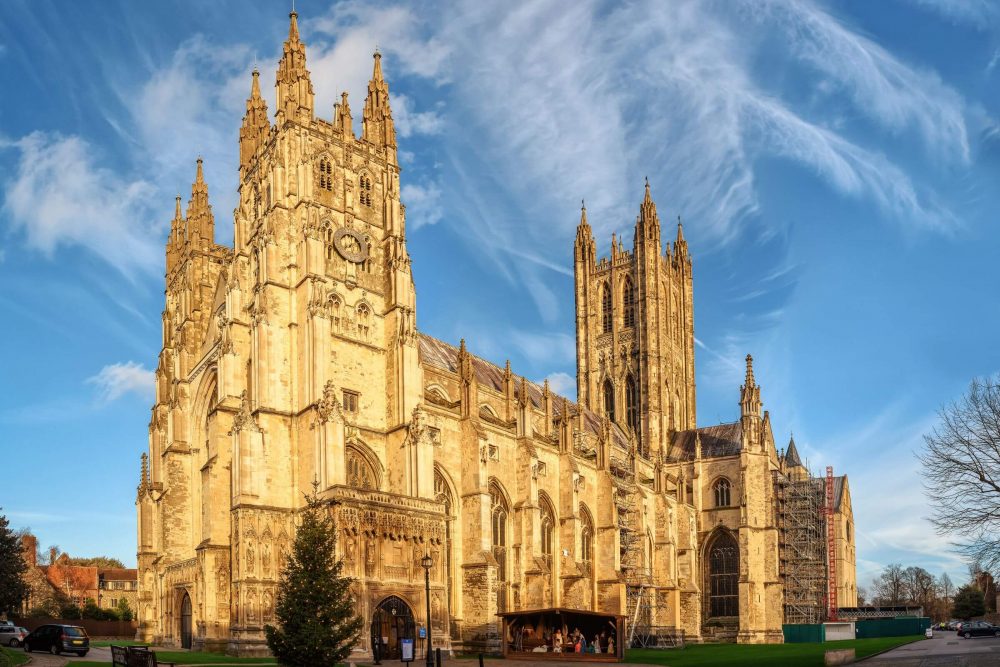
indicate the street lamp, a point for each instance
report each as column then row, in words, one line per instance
column 428, row 562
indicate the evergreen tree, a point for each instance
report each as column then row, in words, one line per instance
column 315, row 608
column 969, row 602
column 13, row 588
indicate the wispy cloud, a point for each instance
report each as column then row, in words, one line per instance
column 116, row 380
column 423, row 204
column 979, row 13
column 562, row 384
column 59, row 195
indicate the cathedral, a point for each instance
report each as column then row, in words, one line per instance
column 292, row 361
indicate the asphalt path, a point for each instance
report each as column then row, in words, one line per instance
column 946, row 649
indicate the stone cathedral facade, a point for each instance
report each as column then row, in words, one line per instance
column 293, row 359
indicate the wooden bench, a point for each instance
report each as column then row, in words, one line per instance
column 136, row 656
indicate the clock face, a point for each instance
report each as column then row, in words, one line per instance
column 351, row 245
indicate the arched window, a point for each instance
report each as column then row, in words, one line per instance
column 336, row 312
column 586, row 536
column 365, row 190
column 329, row 241
column 723, row 577
column 721, row 489
column 548, row 526
column 500, row 511
column 360, row 473
column 609, row 400
column 606, row 312
column 632, row 405
column 628, row 303
column 364, row 320
column 325, row 173
column 442, row 492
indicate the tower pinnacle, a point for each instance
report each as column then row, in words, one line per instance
column 200, row 222
column 293, row 86
column 256, row 125
column 377, row 126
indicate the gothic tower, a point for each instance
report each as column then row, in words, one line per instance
column 635, row 330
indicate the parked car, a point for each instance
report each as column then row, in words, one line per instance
column 12, row 635
column 978, row 629
column 951, row 625
column 57, row 639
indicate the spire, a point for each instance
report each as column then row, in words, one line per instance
column 377, row 126
column 792, row 454
column 342, row 120
column 256, row 126
column 648, row 222
column 294, row 89
column 584, row 247
column 750, row 393
column 200, row 222
column 175, row 240
column 680, row 244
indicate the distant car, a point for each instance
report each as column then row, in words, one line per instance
column 978, row 629
column 951, row 625
column 12, row 635
column 57, row 639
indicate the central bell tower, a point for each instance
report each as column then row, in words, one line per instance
column 635, row 330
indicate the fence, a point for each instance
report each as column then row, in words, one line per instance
column 122, row 629
column 891, row 627
column 804, row 633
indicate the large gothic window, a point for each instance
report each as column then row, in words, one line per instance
column 548, row 526
column 723, row 577
column 609, row 400
column 442, row 492
column 722, row 489
column 632, row 405
column 606, row 312
column 628, row 303
column 500, row 512
column 360, row 473
column 586, row 536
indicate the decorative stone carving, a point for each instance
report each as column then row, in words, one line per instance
column 329, row 408
column 244, row 419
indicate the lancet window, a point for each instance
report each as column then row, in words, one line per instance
column 606, row 312
column 722, row 491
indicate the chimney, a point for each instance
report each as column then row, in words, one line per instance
column 29, row 549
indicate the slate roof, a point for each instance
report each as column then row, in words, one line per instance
column 716, row 441
column 792, row 454
column 441, row 355
column 838, row 489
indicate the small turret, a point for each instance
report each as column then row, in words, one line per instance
column 293, row 86
column 177, row 238
column 377, row 126
column 342, row 120
column 648, row 222
column 681, row 253
column 585, row 249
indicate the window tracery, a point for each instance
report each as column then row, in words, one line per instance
column 360, row 473
column 722, row 492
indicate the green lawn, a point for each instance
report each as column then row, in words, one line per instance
column 11, row 657
column 772, row 655
column 117, row 642
column 189, row 658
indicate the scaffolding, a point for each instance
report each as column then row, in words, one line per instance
column 640, row 595
column 803, row 558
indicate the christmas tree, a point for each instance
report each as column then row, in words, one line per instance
column 315, row 607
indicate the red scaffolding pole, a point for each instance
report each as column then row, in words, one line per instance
column 831, row 551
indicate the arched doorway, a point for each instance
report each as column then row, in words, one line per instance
column 186, row 621
column 723, row 572
column 392, row 621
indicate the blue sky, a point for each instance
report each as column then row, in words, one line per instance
column 834, row 163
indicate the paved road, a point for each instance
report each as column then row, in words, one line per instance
column 46, row 660
column 946, row 650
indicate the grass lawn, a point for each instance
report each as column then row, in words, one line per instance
column 117, row 642
column 10, row 657
column 188, row 658
column 772, row 655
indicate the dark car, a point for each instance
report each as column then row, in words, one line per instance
column 978, row 629
column 58, row 639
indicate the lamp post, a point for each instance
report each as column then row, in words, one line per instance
column 428, row 562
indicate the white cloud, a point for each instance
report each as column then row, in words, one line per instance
column 980, row 13
column 562, row 384
column 58, row 196
column 116, row 380
column 409, row 122
column 423, row 204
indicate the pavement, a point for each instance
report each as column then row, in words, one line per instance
column 946, row 649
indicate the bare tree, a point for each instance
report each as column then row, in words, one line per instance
column 946, row 587
column 921, row 588
column 862, row 596
column 961, row 467
column 890, row 586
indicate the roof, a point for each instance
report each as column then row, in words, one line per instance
column 441, row 355
column 792, row 454
column 838, row 489
column 716, row 441
column 118, row 574
column 559, row 610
